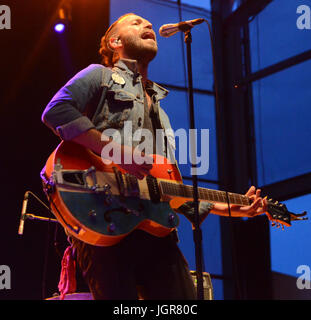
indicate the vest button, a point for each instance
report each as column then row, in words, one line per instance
column 139, row 121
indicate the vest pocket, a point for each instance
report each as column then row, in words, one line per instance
column 120, row 105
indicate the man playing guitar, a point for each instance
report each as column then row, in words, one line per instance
column 140, row 263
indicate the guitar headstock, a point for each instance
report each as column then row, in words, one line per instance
column 279, row 215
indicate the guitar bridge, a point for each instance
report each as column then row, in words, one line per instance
column 80, row 180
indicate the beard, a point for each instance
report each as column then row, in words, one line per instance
column 140, row 49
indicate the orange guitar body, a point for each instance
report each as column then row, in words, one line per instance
column 100, row 216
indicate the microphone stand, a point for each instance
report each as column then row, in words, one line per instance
column 32, row 216
column 197, row 233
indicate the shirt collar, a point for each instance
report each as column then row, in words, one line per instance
column 157, row 89
column 127, row 65
column 131, row 67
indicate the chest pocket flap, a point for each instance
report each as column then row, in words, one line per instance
column 120, row 106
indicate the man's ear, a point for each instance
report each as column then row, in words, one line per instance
column 115, row 43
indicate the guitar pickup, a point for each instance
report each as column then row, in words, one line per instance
column 120, row 183
column 132, row 185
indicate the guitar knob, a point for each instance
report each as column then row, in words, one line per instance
column 111, row 227
column 126, row 210
column 171, row 217
column 92, row 214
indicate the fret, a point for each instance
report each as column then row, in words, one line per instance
column 214, row 196
column 231, row 197
column 217, row 196
column 221, row 196
column 185, row 191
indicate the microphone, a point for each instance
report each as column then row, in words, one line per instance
column 23, row 214
column 168, row 30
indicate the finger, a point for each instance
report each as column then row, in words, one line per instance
column 255, row 205
column 250, row 191
column 139, row 176
column 135, row 171
column 265, row 204
column 148, row 163
column 262, row 207
column 147, row 166
column 144, row 171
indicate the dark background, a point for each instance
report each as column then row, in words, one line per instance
column 35, row 62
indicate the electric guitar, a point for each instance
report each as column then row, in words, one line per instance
column 100, row 204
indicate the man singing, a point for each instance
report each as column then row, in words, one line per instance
column 141, row 264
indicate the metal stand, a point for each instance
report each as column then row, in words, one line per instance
column 34, row 217
column 31, row 216
column 197, row 233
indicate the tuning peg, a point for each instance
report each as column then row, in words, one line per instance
column 276, row 202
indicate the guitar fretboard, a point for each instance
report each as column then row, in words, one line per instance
column 184, row 191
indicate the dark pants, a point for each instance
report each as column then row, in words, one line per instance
column 141, row 265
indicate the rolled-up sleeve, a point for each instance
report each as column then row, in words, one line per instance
column 64, row 113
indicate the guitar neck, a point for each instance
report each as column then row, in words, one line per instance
column 185, row 191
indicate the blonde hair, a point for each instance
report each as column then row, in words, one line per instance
column 109, row 56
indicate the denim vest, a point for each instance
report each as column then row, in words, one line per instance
column 94, row 98
column 118, row 95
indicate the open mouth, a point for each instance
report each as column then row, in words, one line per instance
column 148, row 35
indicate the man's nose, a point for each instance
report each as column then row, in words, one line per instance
column 148, row 25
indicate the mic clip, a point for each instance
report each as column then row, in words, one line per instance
column 185, row 26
